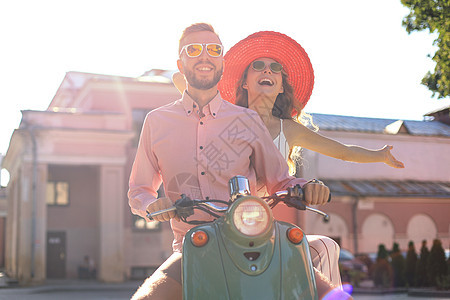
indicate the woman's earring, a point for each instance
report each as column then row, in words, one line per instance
column 245, row 86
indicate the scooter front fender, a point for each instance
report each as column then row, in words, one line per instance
column 210, row 273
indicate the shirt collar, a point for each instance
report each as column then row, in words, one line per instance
column 188, row 103
column 212, row 107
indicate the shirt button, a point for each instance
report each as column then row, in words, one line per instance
column 203, row 173
column 195, row 106
column 201, row 147
column 201, row 123
column 189, row 111
column 214, row 114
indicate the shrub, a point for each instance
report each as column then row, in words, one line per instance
column 437, row 266
column 410, row 265
column 398, row 266
column 421, row 267
column 443, row 282
column 382, row 270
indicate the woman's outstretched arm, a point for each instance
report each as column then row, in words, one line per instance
column 299, row 135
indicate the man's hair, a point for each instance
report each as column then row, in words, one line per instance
column 197, row 27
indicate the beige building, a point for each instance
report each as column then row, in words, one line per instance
column 2, row 226
column 69, row 168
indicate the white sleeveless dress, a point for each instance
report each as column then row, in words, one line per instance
column 281, row 143
column 324, row 250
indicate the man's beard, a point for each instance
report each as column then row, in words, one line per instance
column 203, row 84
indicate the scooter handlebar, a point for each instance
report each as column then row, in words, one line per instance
column 184, row 207
column 298, row 197
column 152, row 215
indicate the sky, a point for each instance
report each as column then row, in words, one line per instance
column 365, row 63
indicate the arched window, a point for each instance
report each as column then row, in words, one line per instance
column 421, row 227
column 336, row 228
column 376, row 229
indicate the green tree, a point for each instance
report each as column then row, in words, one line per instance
column 411, row 262
column 448, row 265
column 421, row 267
column 398, row 266
column 435, row 16
column 381, row 269
column 437, row 266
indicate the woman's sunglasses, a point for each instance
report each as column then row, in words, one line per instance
column 194, row 50
column 259, row 66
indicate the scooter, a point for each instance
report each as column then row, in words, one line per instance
column 244, row 253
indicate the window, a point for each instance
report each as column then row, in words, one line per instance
column 140, row 224
column 141, row 272
column 57, row 193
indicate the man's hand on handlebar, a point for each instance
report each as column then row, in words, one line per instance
column 160, row 204
column 316, row 193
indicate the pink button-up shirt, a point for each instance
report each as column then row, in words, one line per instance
column 196, row 156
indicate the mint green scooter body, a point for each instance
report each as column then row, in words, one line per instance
column 234, row 266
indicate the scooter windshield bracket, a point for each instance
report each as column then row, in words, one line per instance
column 239, row 187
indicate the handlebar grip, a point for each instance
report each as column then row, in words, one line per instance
column 159, row 212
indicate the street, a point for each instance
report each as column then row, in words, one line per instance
column 100, row 291
column 66, row 295
column 71, row 290
column 392, row 297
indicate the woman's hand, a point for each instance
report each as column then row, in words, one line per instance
column 389, row 159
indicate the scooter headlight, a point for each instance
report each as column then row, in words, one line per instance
column 251, row 218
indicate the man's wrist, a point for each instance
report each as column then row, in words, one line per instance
column 314, row 180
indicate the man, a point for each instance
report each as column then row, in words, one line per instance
column 195, row 145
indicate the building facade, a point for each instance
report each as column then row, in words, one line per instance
column 374, row 203
column 69, row 168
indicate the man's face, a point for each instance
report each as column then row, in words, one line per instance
column 202, row 72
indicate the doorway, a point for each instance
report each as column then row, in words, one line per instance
column 56, row 254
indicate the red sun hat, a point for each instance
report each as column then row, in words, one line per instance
column 274, row 45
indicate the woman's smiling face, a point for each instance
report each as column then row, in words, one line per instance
column 263, row 84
